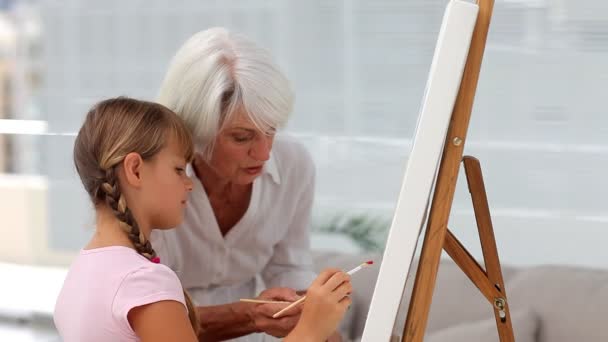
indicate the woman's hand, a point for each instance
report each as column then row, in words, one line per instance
column 326, row 303
column 261, row 314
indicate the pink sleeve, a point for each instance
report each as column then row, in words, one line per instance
column 148, row 284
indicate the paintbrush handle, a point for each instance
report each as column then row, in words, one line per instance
column 261, row 301
column 278, row 314
column 354, row 270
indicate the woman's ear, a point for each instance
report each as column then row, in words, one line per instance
column 132, row 165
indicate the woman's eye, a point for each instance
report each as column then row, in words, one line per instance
column 240, row 138
column 179, row 170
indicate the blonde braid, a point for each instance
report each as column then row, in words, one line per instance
column 116, row 201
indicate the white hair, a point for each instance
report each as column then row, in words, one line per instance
column 217, row 72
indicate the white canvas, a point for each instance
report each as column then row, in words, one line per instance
column 439, row 97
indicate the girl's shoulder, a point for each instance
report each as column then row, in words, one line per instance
column 103, row 285
column 125, row 268
column 145, row 284
column 138, row 281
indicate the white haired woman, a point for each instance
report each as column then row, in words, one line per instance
column 249, row 210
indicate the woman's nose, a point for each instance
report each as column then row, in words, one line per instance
column 260, row 150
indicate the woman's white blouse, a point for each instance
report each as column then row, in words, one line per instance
column 270, row 240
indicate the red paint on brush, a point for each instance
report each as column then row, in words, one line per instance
column 371, row 262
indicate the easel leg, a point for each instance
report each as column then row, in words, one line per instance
column 477, row 189
column 489, row 282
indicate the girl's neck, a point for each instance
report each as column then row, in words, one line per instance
column 108, row 231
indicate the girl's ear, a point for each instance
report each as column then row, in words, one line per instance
column 132, row 165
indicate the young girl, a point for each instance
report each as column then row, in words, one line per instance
column 131, row 157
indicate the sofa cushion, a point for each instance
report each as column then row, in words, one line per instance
column 524, row 322
column 572, row 302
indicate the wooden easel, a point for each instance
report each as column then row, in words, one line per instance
column 438, row 236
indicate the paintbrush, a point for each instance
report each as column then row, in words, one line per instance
column 351, row 272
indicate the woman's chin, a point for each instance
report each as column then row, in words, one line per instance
column 246, row 179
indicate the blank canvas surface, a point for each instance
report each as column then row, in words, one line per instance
column 438, row 101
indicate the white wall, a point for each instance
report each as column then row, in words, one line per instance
column 359, row 69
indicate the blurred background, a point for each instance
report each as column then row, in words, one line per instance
column 359, row 68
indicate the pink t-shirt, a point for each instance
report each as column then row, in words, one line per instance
column 102, row 285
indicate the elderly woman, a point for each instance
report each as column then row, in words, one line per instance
column 248, row 215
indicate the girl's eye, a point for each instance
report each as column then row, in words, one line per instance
column 180, row 170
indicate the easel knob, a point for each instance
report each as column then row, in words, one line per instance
column 500, row 304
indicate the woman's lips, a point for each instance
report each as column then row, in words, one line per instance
column 254, row 170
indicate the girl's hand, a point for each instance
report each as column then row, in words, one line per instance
column 327, row 300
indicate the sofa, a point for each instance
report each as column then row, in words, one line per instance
column 547, row 303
